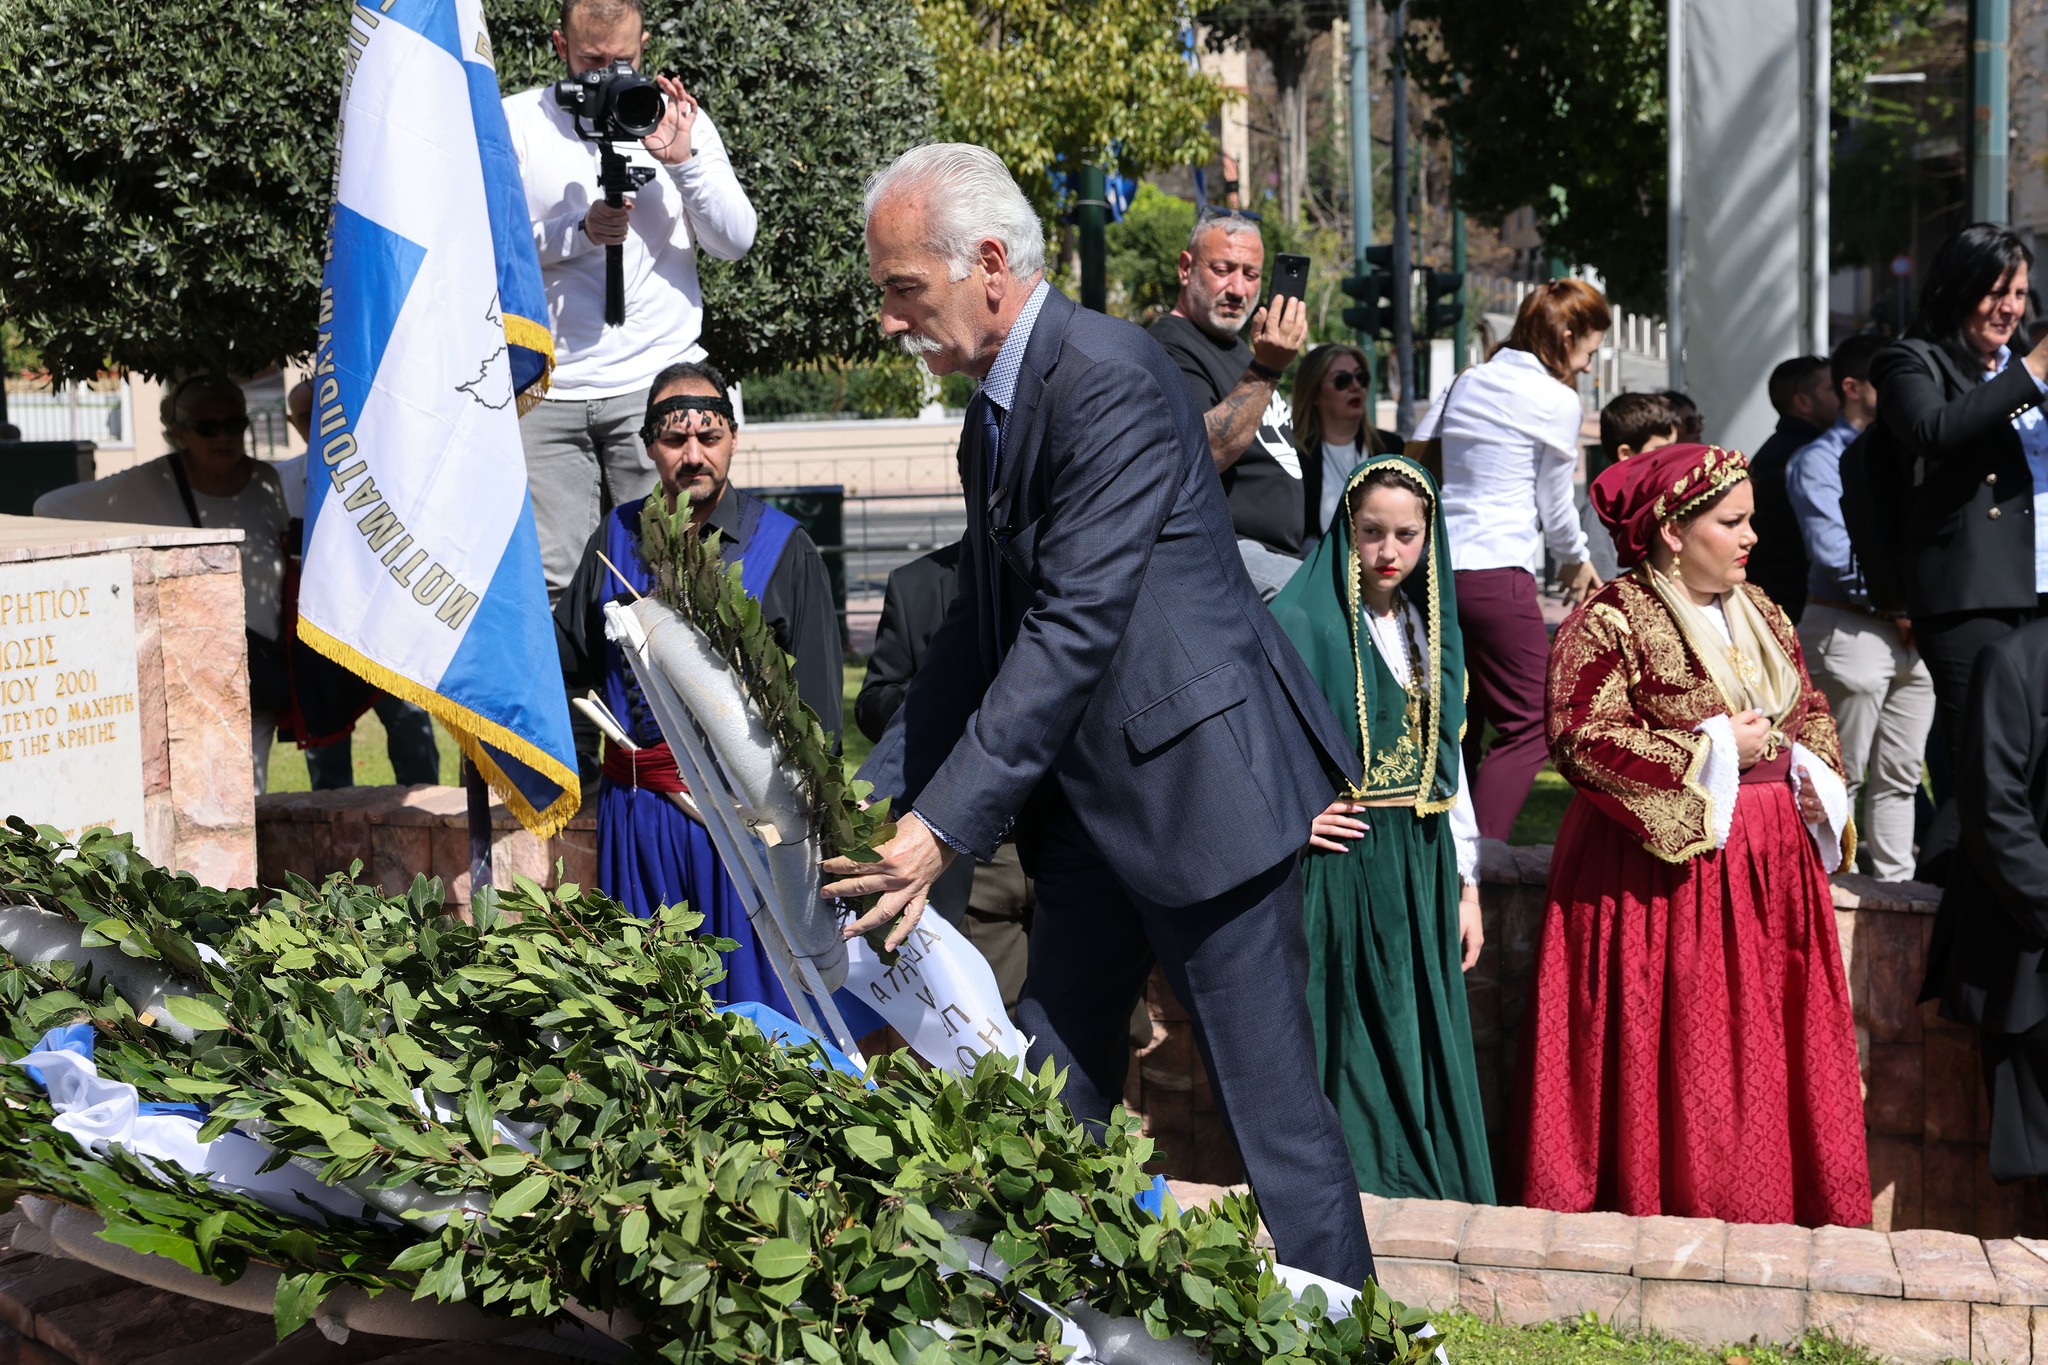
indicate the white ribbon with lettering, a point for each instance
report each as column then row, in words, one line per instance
column 940, row 995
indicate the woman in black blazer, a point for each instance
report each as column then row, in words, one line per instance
column 1957, row 414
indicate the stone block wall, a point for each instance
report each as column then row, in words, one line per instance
column 396, row 832
column 192, row 684
column 1924, row 1104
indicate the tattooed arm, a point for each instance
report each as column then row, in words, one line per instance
column 1233, row 422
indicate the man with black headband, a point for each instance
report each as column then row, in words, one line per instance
column 649, row 853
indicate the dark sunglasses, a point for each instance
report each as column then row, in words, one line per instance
column 1347, row 379
column 211, row 427
column 1217, row 211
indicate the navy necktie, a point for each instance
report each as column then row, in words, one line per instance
column 981, row 418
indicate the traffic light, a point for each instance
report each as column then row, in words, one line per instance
column 1444, row 291
column 1373, row 316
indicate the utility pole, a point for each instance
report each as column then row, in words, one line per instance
column 1990, row 29
column 1819, row 153
column 1674, row 192
column 1092, row 213
column 1461, row 335
column 1361, row 169
column 1404, row 252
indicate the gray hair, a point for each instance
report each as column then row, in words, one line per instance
column 1229, row 224
column 968, row 198
column 178, row 401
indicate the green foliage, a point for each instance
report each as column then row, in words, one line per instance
column 164, row 187
column 1046, row 82
column 1587, row 1340
column 165, row 180
column 738, row 1202
column 1144, row 252
column 892, row 386
column 690, row 577
column 1569, row 117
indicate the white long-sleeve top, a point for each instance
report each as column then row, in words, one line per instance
column 1511, row 447
column 697, row 206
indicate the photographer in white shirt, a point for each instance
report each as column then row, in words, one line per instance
column 583, row 451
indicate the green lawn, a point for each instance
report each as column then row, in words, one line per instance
column 1536, row 825
column 1588, row 1342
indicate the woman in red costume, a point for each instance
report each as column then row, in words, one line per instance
column 1688, row 1047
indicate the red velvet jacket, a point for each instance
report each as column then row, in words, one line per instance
column 1625, row 694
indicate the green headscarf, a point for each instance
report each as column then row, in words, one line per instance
column 1322, row 611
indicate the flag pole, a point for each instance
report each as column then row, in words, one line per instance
column 479, row 793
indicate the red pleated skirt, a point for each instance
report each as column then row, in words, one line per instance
column 1688, row 1046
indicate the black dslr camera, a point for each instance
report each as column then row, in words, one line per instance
column 614, row 104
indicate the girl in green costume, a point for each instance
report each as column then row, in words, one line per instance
column 1392, row 899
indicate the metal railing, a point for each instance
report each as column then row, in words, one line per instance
column 882, row 532
column 101, row 411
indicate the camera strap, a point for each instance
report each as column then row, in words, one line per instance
column 184, row 487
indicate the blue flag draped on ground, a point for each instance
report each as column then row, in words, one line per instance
column 422, row 569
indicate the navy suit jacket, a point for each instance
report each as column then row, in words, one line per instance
column 1138, row 669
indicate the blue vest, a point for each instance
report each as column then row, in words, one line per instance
column 756, row 547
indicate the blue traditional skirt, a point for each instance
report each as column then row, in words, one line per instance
column 650, row 854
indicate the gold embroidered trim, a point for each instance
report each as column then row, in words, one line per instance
column 1721, row 469
column 1434, row 681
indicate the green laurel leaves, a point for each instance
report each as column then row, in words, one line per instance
column 547, row 1105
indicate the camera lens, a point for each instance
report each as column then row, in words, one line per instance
column 637, row 109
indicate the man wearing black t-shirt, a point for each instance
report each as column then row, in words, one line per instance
column 1251, row 432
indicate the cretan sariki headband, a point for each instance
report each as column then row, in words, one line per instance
column 1636, row 496
column 670, row 413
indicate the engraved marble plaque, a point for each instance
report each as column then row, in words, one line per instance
column 70, row 735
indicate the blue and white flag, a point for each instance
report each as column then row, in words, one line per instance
column 422, row 569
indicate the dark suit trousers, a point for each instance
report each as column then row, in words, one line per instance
column 1949, row 643
column 2016, row 1075
column 1239, row 964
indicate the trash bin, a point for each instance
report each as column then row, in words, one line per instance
column 821, row 510
column 29, row 469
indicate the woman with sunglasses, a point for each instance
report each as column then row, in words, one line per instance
column 1330, row 422
column 208, row 479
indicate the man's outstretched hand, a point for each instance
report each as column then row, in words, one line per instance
column 910, row 863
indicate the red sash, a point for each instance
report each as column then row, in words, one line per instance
column 1763, row 771
column 650, row 769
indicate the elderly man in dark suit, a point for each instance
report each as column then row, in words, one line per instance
column 1988, row 964
column 1108, row 681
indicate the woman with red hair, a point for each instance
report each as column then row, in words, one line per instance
column 1510, row 433
column 1688, row 1047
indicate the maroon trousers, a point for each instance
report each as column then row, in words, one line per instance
column 1507, row 657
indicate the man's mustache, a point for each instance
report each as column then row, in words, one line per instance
column 917, row 347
